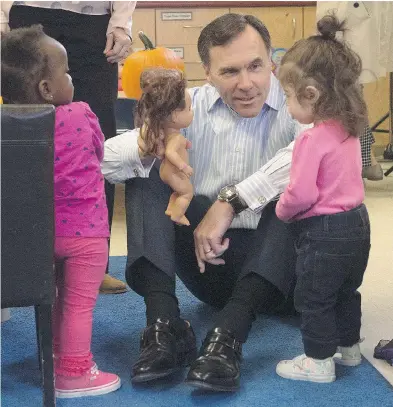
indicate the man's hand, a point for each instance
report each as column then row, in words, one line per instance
column 208, row 236
column 118, row 45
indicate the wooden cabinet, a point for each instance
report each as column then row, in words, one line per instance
column 180, row 29
column 285, row 24
column 143, row 20
column 183, row 26
column 192, row 62
column 309, row 21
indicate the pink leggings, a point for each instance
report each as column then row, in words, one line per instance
column 80, row 269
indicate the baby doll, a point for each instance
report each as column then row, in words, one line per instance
column 163, row 110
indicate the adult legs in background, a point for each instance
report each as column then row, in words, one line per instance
column 372, row 170
column 82, row 264
column 95, row 80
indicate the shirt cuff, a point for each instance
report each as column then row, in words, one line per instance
column 121, row 16
column 133, row 164
column 257, row 191
column 121, row 159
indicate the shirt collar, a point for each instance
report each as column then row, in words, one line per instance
column 274, row 99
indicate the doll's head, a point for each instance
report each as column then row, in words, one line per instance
column 164, row 104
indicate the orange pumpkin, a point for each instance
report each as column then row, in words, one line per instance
column 150, row 57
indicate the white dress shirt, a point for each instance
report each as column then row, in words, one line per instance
column 253, row 153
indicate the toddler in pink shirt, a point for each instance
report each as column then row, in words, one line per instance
column 37, row 67
column 324, row 198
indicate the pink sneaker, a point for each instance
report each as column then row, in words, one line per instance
column 92, row 383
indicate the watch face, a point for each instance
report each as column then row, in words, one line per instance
column 228, row 192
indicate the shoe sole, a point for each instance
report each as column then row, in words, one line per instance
column 211, row 387
column 96, row 391
column 348, row 362
column 322, row 379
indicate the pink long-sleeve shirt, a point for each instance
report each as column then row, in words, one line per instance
column 325, row 175
column 80, row 203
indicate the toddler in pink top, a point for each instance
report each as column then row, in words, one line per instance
column 37, row 66
column 79, row 184
column 324, row 198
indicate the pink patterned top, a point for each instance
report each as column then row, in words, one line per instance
column 80, row 204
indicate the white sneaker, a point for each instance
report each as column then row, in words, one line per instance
column 349, row 356
column 307, row 369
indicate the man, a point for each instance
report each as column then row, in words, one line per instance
column 96, row 35
column 236, row 255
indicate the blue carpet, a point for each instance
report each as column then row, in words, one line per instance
column 117, row 324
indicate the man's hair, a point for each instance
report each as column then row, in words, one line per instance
column 23, row 64
column 334, row 69
column 225, row 29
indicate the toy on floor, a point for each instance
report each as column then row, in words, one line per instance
column 384, row 350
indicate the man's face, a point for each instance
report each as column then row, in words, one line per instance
column 240, row 71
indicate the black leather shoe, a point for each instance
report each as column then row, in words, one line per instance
column 218, row 365
column 163, row 351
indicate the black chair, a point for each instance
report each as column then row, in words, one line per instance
column 27, row 222
column 125, row 109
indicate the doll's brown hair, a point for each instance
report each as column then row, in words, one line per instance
column 163, row 93
column 328, row 64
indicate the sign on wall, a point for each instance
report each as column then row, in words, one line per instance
column 175, row 15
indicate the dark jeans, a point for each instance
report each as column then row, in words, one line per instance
column 332, row 253
column 94, row 79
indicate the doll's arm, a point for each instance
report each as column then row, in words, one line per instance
column 171, row 154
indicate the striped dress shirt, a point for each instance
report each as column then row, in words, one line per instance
column 252, row 153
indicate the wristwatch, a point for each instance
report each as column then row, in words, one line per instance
column 231, row 195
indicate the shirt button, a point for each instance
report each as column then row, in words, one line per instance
column 237, row 149
column 261, row 199
column 136, row 172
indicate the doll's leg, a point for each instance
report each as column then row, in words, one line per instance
column 177, row 207
column 182, row 203
column 171, row 203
